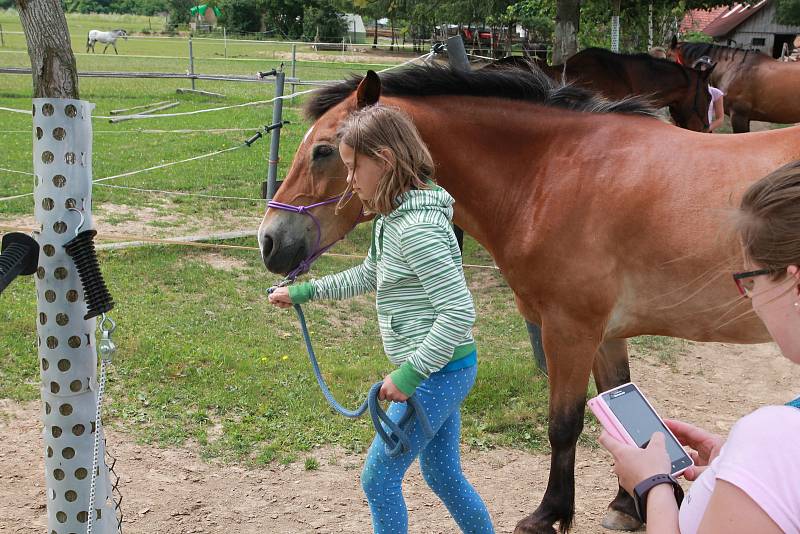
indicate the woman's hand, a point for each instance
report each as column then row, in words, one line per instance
column 280, row 297
column 705, row 444
column 632, row 464
column 390, row 392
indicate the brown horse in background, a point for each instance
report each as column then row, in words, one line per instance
column 756, row 87
column 599, row 228
column 664, row 83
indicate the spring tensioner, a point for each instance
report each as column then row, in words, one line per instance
column 81, row 249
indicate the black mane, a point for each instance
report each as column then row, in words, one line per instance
column 692, row 51
column 530, row 85
column 612, row 60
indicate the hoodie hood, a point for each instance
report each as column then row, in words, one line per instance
column 435, row 199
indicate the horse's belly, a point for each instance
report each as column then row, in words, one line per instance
column 701, row 317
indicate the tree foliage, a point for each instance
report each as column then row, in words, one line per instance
column 240, row 15
column 788, row 12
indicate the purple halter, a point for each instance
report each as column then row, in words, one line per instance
column 305, row 264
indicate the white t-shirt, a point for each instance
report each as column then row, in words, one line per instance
column 716, row 94
column 762, row 458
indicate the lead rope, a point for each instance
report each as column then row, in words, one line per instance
column 397, row 440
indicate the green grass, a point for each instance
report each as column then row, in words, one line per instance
column 202, row 357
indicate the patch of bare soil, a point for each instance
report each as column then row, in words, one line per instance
column 172, row 491
column 154, row 222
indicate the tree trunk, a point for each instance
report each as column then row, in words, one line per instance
column 568, row 19
column 375, row 38
column 55, row 74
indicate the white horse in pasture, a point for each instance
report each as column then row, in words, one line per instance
column 108, row 38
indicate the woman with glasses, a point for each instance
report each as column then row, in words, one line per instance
column 749, row 483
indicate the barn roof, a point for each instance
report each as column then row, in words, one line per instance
column 698, row 19
column 733, row 17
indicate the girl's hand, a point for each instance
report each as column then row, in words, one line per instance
column 390, row 392
column 280, row 297
column 705, row 444
column 632, row 464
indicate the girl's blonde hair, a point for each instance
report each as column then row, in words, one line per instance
column 769, row 220
column 372, row 131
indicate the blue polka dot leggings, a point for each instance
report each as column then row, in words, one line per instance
column 439, row 459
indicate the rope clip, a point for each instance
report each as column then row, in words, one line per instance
column 106, row 346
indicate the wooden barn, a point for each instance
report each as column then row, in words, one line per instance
column 753, row 26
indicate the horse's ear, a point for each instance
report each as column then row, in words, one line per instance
column 369, row 90
column 707, row 72
column 673, row 44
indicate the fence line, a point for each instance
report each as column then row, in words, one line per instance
column 17, row 172
column 193, row 241
column 328, row 64
column 149, row 131
column 13, row 110
column 131, row 173
column 180, row 193
column 171, row 75
column 170, row 164
column 181, row 114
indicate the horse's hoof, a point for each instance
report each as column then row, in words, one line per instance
column 530, row 525
column 616, row 520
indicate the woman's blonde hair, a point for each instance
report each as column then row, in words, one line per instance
column 768, row 221
column 372, row 131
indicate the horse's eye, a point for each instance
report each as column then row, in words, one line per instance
column 322, row 151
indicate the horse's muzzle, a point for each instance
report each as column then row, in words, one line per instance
column 281, row 258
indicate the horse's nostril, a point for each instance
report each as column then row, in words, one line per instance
column 266, row 247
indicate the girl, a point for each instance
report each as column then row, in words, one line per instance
column 425, row 311
column 751, row 482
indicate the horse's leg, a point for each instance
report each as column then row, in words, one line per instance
column 610, row 370
column 115, row 48
column 569, row 349
column 459, row 237
column 740, row 121
column 106, row 48
column 535, row 335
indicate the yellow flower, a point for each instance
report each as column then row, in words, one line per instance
column 284, row 358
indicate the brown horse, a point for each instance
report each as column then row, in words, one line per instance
column 756, row 86
column 683, row 90
column 599, row 228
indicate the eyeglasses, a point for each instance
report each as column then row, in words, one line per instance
column 744, row 280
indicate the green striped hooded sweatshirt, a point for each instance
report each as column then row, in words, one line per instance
column 425, row 311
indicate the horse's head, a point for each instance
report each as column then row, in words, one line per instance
column 122, row 33
column 296, row 226
column 674, row 51
column 690, row 109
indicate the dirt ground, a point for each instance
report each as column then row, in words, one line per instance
column 172, row 491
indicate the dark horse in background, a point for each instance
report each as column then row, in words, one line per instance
column 756, row 86
column 605, row 222
column 664, row 83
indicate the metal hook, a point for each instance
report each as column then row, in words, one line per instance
column 83, row 219
column 104, row 319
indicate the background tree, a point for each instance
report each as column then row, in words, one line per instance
column 788, row 12
column 240, row 15
column 322, row 22
column 55, row 74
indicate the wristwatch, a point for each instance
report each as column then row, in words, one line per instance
column 643, row 488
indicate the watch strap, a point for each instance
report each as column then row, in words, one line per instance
column 643, row 488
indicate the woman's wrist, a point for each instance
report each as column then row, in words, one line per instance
column 662, row 510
